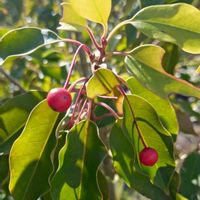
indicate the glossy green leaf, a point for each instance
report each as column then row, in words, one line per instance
column 101, row 83
column 177, row 23
column 163, row 178
column 13, row 115
column 123, row 156
column 70, row 16
column 23, row 41
column 151, row 130
column 142, row 65
column 190, row 174
column 30, row 156
column 95, row 10
column 79, row 159
column 170, row 58
column 164, row 109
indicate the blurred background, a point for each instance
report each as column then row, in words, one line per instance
column 48, row 67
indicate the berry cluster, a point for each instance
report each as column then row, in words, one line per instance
column 60, row 100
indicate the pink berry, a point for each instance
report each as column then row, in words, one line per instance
column 59, row 99
column 148, row 156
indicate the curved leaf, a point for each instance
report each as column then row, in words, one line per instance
column 164, row 109
column 79, row 159
column 30, row 162
column 177, row 23
column 70, row 16
column 101, row 83
column 123, row 156
column 13, row 115
column 151, row 131
column 95, row 10
column 150, row 75
column 23, row 41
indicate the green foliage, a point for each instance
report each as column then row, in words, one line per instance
column 122, row 101
column 78, row 164
column 166, row 23
column 30, row 163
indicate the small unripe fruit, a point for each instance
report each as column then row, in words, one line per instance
column 148, row 156
column 59, row 99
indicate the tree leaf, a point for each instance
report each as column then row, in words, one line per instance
column 190, row 173
column 123, row 156
column 171, row 57
column 30, row 162
column 101, row 83
column 164, row 109
column 177, row 23
column 70, row 16
column 151, row 131
column 13, row 115
column 141, row 65
column 79, row 159
column 95, row 10
column 23, row 41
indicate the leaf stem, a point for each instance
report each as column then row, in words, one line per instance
column 109, row 109
column 85, row 47
column 89, row 109
column 81, row 111
column 72, row 66
column 12, row 80
column 72, row 87
column 93, row 39
column 134, row 117
column 76, row 103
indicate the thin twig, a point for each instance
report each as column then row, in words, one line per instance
column 109, row 109
column 12, row 80
column 134, row 117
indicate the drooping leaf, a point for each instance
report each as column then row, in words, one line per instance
column 101, row 83
column 13, row 115
column 190, row 173
column 70, row 16
column 150, row 129
column 123, row 156
column 177, row 23
column 30, row 156
column 142, row 65
column 79, row 159
column 23, row 41
column 96, row 10
column 162, row 106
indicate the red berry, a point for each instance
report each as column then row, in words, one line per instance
column 148, row 156
column 59, row 99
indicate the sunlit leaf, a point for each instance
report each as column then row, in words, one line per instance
column 101, row 83
column 123, row 156
column 150, row 129
column 30, row 157
column 95, row 10
column 162, row 106
column 70, row 16
column 177, row 23
column 79, row 159
column 142, row 65
column 13, row 115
